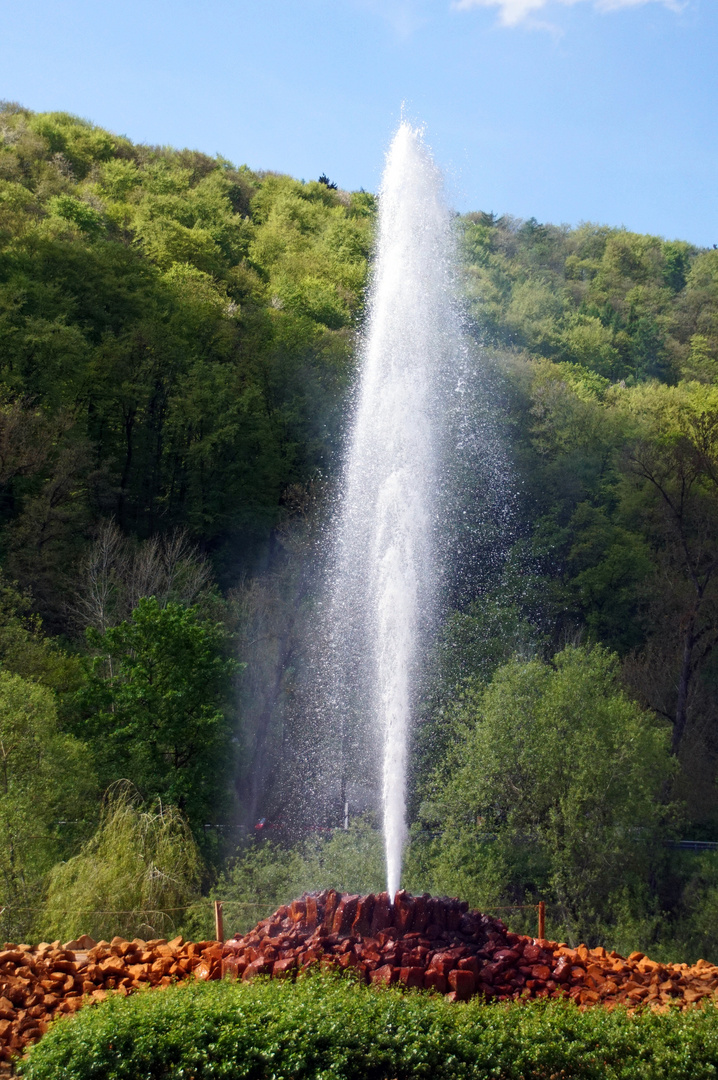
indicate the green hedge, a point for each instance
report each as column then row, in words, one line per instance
column 327, row 1027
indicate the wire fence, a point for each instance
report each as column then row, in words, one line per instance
column 539, row 915
column 204, row 919
column 195, row 921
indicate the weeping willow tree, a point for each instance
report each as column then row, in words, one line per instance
column 136, row 876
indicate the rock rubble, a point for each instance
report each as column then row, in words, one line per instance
column 40, row 983
column 420, row 942
column 437, row 944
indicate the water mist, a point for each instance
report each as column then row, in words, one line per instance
column 386, row 563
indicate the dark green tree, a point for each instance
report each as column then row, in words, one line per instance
column 552, row 790
column 155, row 708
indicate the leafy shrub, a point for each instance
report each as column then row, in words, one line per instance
column 266, row 874
column 80, row 213
column 555, row 785
column 45, row 775
column 324, row 1027
column 140, row 870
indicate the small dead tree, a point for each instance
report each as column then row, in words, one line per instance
column 117, row 572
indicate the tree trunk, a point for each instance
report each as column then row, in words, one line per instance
column 684, row 681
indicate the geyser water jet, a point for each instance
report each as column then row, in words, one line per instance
column 385, row 573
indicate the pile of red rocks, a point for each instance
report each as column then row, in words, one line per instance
column 438, row 944
column 38, row 984
column 420, row 942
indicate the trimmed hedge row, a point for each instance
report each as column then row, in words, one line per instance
column 332, row 1028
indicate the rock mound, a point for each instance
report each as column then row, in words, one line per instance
column 437, row 944
column 420, row 942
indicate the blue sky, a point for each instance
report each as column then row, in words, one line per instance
column 566, row 110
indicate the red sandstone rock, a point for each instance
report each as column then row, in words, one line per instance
column 298, row 910
column 472, row 964
column 330, row 906
column 38, row 984
column 419, row 942
column 562, row 972
column 345, row 914
column 382, row 914
column 233, row 967
column 435, row 980
column 362, row 922
column 412, row 977
column 403, row 911
column 385, row 975
column 311, row 916
column 463, row 983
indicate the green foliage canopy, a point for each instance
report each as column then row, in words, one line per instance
column 46, row 782
column 155, row 707
column 189, row 321
column 556, row 784
column 626, row 306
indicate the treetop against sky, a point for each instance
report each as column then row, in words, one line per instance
column 566, row 110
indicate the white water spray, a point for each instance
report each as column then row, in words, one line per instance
column 385, row 577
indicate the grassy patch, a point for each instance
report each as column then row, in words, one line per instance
column 329, row 1027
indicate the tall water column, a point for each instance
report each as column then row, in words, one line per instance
column 386, row 565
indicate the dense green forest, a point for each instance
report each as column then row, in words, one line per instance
column 177, row 340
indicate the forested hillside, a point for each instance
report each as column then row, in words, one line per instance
column 176, row 347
